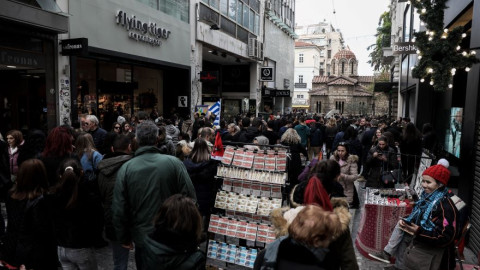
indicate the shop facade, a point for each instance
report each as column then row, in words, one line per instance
column 454, row 113
column 28, row 55
column 125, row 57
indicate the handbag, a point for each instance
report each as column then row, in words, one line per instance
column 419, row 256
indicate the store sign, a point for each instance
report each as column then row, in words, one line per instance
column 142, row 31
column 282, row 93
column 182, row 101
column 209, row 76
column 266, row 74
column 404, row 48
column 74, row 46
column 23, row 59
column 300, row 85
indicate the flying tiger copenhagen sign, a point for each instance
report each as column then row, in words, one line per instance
column 142, row 31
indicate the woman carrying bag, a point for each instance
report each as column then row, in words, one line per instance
column 424, row 240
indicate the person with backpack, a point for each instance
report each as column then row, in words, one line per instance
column 88, row 155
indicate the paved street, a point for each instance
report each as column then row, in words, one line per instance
column 104, row 255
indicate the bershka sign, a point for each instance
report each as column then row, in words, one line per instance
column 142, row 31
column 404, row 48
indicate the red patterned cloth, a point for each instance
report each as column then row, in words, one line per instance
column 376, row 226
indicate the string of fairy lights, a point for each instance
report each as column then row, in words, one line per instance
column 439, row 52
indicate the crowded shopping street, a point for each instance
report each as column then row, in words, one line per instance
column 240, row 134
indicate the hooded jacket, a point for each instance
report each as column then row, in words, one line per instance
column 304, row 132
column 107, row 174
column 341, row 254
column 173, row 132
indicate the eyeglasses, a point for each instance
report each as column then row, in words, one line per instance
column 116, row 127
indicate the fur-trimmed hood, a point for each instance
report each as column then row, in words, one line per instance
column 350, row 159
column 282, row 217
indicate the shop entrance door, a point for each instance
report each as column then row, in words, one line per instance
column 114, row 99
column 23, row 104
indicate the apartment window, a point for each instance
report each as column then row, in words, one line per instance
column 224, row 7
column 300, row 78
column 232, row 9
column 176, row 8
column 245, row 16
column 300, row 58
column 299, row 96
column 407, row 24
column 329, row 54
column 239, row 13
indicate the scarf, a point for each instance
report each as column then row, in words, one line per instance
column 423, row 208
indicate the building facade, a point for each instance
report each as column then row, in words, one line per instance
column 135, row 57
column 454, row 113
column 28, row 71
column 233, row 41
column 307, row 66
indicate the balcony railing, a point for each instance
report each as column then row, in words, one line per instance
column 300, row 85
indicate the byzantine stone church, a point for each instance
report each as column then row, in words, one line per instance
column 343, row 90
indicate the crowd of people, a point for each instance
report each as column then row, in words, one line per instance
column 149, row 184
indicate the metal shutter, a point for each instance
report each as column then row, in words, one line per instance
column 474, row 242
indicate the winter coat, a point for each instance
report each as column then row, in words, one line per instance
column 285, row 253
column 203, row 179
column 377, row 166
column 52, row 164
column 107, row 175
column 173, row 132
column 187, row 127
column 349, row 173
column 13, row 159
column 444, row 216
column 99, row 135
column 90, row 165
column 30, row 238
column 304, row 132
column 316, row 137
column 5, row 181
column 341, row 254
column 143, row 184
column 295, row 163
column 167, row 147
column 272, row 137
column 330, row 133
column 78, row 226
column 167, row 249
column 247, row 135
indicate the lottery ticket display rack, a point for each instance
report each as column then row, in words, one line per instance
column 253, row 182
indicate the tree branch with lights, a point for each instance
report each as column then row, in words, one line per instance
column 439, row 51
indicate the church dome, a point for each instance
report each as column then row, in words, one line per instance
column 347, row 54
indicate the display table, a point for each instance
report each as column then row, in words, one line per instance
column 379, row 217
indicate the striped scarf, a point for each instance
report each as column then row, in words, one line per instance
column 422, row 210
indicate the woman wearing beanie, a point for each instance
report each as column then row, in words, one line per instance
column 425, row 238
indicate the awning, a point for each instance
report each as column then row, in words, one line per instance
column 48, row 16
column 301, row 106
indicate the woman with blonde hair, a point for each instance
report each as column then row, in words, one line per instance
column 291, row 139
column 88, row 155
column 305, row 246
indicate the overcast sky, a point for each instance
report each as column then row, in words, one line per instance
column 356, row 19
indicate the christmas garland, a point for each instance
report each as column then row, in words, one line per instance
column 439, row 51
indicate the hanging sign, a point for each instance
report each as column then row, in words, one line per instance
column 266, row 74
column 404, row 48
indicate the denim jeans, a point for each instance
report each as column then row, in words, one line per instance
column 77, row 258
column 120, row 256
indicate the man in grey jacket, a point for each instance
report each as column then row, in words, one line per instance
column 143, row 184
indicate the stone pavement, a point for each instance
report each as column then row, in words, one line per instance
column 104, row 255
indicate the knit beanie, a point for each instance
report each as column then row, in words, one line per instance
column 439, row 173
